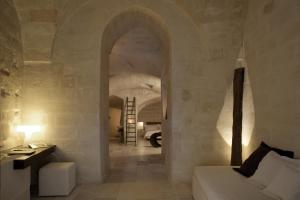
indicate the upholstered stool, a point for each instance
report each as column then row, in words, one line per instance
column 57, row 179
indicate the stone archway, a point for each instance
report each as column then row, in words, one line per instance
column 202, row 58
column 118, row 26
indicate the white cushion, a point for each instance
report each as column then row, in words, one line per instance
column 294, row 163
column 57, row 179
column 153, row 127
column 285, row 185
column 271, row 164
column 223, row 183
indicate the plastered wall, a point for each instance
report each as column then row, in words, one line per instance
column 272, row 46
column 151, row 113
column 11, row 74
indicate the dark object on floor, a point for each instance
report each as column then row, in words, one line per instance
column 154, row 139
column 250, row 165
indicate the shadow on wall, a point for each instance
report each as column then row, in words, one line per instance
column 225, row 120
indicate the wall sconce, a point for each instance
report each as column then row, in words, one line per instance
column 28, row 130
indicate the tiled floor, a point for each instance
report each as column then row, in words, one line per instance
column 137, row 173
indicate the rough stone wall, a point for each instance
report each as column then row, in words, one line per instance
column 205, row 37
column 64, row 97
column 38, row 26
column 201, row 69
column 150, row 113
column 71, row 122
column 72, row 87
column 11, row 71
column 272, row 46
column 199, row 84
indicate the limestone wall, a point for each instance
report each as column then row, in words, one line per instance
column 66, row 74
column 67, row 102
column 272, row 45
column 38, row 27
column 11, row 71
column 151, row 113
column 201, row 46
column 202, row 59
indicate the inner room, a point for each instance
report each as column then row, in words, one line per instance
column 136, row 64
column 149, row 100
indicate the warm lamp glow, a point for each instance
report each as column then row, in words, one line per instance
column 224, row 123
column 29, row 129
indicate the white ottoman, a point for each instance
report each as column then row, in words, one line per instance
column 57, row 179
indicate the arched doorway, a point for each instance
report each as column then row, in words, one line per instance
column 118, row 26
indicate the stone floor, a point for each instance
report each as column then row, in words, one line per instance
column 137, row 173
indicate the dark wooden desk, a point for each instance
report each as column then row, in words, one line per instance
column 40, row 154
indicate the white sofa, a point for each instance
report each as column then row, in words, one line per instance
column 222, row 183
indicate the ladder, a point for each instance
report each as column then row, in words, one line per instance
column 130, row 122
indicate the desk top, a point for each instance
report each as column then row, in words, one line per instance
column 24, row 161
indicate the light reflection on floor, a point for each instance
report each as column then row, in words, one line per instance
column 137, row 173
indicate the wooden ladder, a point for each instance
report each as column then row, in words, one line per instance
column 130, row 121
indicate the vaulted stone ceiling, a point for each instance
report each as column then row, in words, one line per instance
column 136, row 63
column 137, row 51
column 40, row 20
